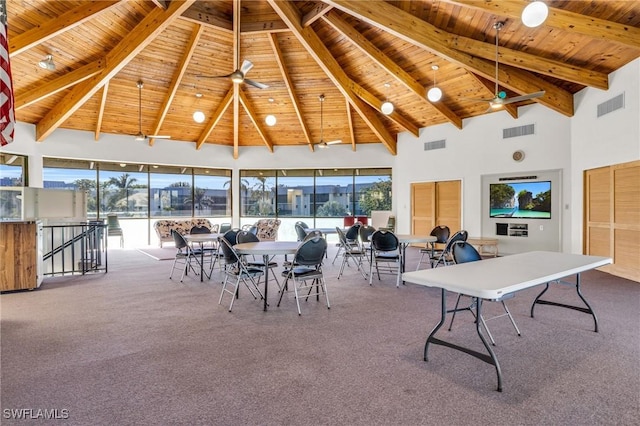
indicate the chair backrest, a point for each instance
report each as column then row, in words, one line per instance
column 301, row 223
column 178, row 239
column 391, row 223
column 230, row 255
column 441, row 232
column 313, row 234
column 352, row 232
column 112, row 221
column 224, row 227
column 300, row 232
column 200, row 230
column 365, row 232
column 458, row 236
column 464, row 252
column 311, row 252
column 246, row 237
column 383, row 240
column 342, row 238
column 231, row 236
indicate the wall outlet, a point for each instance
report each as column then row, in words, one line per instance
column 542, row 227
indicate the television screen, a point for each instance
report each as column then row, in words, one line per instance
column 524, row 200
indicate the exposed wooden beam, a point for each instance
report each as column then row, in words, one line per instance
column 37, row 93
column 215, row 118
column 103, row 102
column 319, row 52
column 65, row 22
column 385, row 62
column 290, row 88
column 529, row 62
column 134, row 42
column 160, row 3
column 200, row 15
column 564, row 20
column 352, row 134
column 249, row 110
column 424, row 35
column 176, row 80
column 318, row 11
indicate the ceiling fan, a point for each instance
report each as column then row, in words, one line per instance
column 141, row 136
column 500, row 98
column 322, row 143
column 239, row 75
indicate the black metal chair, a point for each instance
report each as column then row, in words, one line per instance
column 442, row 233
column 236, row 271
column 306, row 271
column 351, row 236
column 350, row 251
column 248, row 237
column 464, row 252
column 446, row 257
column 185, row 255
column 224, row 227
column 301, row 232
column 385, row 255
column 113, row 228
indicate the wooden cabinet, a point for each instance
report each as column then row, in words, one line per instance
column 20, row 255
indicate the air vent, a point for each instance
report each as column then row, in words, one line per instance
column 428, row 146
column 611, row 105
column 518, row 178
column 514, row 132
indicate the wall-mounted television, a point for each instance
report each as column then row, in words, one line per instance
column 522, row 200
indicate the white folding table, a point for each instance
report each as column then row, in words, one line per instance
column 493, row 278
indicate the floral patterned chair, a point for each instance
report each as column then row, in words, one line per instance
column 163, row 227
column 267, row 229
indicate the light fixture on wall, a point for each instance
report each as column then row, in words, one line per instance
column 535, row 14
column 47, row 63
column 198, row 115
column 435, row 93
column 387, row 106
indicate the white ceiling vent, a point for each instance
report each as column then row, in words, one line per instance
column 514, row 132
column 611, row 105
column 428, row 146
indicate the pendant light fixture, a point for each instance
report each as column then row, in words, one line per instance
column 198, row 115
column 387, row 106
column 435, row 93
column 535, row 14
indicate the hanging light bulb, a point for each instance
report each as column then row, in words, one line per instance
column 435, row 93
column 198, row 116
column 535, row 14
column 270, row 120
column 387, row 107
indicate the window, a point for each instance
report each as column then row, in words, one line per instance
column 73, row 175
column 334, row 195
column 257, row 196
column 123, row 190
column 13, row 170
column 373, row 191
column 211, row 193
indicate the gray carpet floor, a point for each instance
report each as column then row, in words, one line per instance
column 132, row 347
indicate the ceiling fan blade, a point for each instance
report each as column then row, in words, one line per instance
column 213, row 76
column 246, row 66
column 522, row 98
column 255, row 84
column 159, row 136
column 480, row 99
column 334, row 142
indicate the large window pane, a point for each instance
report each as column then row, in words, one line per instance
column 123, row 191
column 72, row 175
column 334, row 193
column 171, row 194
column 295, row 193
column 212, row 193
column 13, row 170
column 258, row 193
column 373, row 191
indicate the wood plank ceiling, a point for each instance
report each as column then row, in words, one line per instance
column 358, row 54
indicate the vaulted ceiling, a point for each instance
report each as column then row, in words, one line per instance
column 357, row 54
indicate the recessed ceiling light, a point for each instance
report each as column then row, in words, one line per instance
column 270, row 120
column 535, row 14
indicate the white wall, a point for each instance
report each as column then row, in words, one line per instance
column 570, row 145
